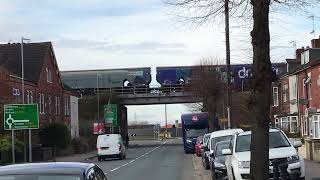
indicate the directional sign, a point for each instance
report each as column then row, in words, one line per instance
column 111, row 114
column 21, row 116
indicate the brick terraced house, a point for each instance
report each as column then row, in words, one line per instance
column 43, row 85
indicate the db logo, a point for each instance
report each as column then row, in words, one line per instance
column 244, row 73
column 195, row 118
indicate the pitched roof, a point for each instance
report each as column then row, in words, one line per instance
column 35, row 54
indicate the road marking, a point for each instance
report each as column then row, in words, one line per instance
column 125, row 164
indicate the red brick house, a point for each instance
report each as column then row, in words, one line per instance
column 300, row 113
column 43, row 84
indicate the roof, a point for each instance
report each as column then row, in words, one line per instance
column 226, row 132
column 249, row 132
column 35, row 54
column 302, row 67
column 48, row 168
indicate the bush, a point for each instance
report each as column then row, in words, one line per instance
column 5, row 144
column 79, row 145
column 55, row 135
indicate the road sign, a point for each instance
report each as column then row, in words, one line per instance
column 21, row 116
column 111, row 114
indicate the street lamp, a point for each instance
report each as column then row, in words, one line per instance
column 22, row 84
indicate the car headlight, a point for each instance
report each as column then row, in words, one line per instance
column 293, row 159
column 244, row 164
column 188, row 141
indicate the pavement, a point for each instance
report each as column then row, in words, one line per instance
column 158, row 160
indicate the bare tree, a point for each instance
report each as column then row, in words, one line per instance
column 207, row 84
column 201, row 11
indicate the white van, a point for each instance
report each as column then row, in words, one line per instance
column 110, row 146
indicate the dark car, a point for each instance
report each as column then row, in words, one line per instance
column 218, row 168
column 205, row 151
column 52, row 171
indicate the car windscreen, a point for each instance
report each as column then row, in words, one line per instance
column 199, row 139
column 221, row 146
column 205, row 139
column 40, row 177
column 276, row 140
column 192, row 133
column 215, row 140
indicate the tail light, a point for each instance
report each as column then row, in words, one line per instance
column 120, row 147
column 98, row 148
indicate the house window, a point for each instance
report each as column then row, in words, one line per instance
column 277, row 123
column 305, row 125
column 275, row 96
column 285, row 124
column 66, row 107
column 309, row 91
column 15, row 92
column 304, row 89
column 57, row 106
column 31, row 97
column 49, row 104
column 316, row 126
column 49, row 75
column 28, row 96
column 41, row 103
column 293, row 124
column 285, row 92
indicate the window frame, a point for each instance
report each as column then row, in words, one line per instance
column 314, row 126
column 275, row 90
column 287, row 121
column 291, row 122
column 49, row 75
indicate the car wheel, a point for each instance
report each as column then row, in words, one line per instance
column 121, row 156
column 233, row 177
column 207, row 164
column 99, row 159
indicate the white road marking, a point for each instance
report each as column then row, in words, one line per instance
column 150, row 151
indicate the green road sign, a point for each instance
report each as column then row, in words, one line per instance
column 21, row 116
column 111, row 114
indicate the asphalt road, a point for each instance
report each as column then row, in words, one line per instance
column 156, row 161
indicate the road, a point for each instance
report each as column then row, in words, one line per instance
column 156, row 161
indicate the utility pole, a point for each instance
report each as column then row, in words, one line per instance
column 166, row 117
column 226, row 11
column 22, row 85
column 98, row 99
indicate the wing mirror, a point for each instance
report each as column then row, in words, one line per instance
column 204, row 147
column 226, row 152
column 297, row 144
column 211, row 154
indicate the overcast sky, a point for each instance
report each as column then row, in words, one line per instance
column 103, row 34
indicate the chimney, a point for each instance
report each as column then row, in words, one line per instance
column 298, row 53
column 315, row 43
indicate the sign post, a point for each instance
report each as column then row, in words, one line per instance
column 18, row 117
column 111, row 114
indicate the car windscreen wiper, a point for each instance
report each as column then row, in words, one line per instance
column 280, row 146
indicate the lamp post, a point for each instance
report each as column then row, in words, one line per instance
column 22, row 84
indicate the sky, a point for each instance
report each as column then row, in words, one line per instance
column 105, row 34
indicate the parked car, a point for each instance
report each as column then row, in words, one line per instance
column 110, row 146
column 197, row 146
column 280, row 148
column 217, row 166
column 205, row 152
column 52, row 171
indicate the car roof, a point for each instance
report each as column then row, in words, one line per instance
column 225, row 132
column 46, row 168
column 249, row 132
